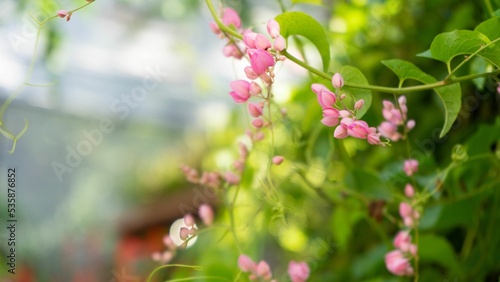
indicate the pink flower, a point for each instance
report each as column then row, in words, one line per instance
column 251, row 73
column 298, row 271
column 337, row 80
column 214, row 27
column 410, row 124
column 246, row 264
column 409, row 190
column 260, row 60
column 277, row 160
column 326, row 98
column 263, row 270
column 241, row 90
column 318, row 88
column 373, row 138
column 273, row 28
column 341, row 131
column 410, row 167
column 261, row 42
column 405, row 210
column 184, row 233
column 255, row 89
column 255, row 109
column 206, row 214
column 358, row 129
column 232, row 178
column 389, row 130
column 249, row 39
column 330, row 117
column 398, row 264
column 230, row 17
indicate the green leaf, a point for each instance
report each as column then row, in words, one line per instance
column 490, row 28
column 314, row 2
column 450, row 95
column 354, row 75
column 448, row 45
column 299, row 23
column 367, row 183
column 436, row 249
column 479, row 65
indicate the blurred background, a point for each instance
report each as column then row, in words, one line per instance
column 140, row 87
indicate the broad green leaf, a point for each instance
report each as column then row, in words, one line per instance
column 483, row 139
column 490, row 28
column 314, row 2
column 449, row 215
column 299, row 23
column 436, row 249
column 450, row 95
column 448, row 45
column 367, row 183
column 479, row 65
column 354, row 75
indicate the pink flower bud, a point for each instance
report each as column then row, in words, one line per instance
column 255, row 109
column 230, row 17
column 263, row 270
column 402, row 100
column 340, row 132
column 184, row 233
column 337, row 80
column 410, row 124
column 359, row 104
column 241, row 90
column 168, row 242
column 405, row 210
column 330, row 117
column 273, row 28
column 251, row 73
column 258, row 136
column 280, row 44
column 215, row 28
column 260, row 60
column 344, row 113
column 255, row 89
column 206, row 214
column 62, row 13
column 298, row 271
column 257, row 123
column 232, row 50
column 409, row 191
column 402, row 238
column 189, row 220
column 498, row 88
column 342, row 97
column 261, row 42
column 388, row 105
column 326, row 98
column 318, row 88
column 249, row 39
column 373, row 139
column 277, row 160
column 410, row 167
column 246, row 264
column 232, row 178
column 398, row 264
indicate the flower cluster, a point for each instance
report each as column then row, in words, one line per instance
column 395, row 116
column 298, row 271
column 206, row 215
column 398, row 261
column 340, row 116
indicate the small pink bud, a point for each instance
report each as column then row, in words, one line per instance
column 340, row 132
column 261, row 42
column 405, row 210
column 184, row 233
column 402, row 238
column 402, row 100
column 344, row 113
column 62, row 13
column 280, row 44
column 258, row 136
column 389, row 130
column 409, row 191
column 373, row 139
column 337, row 80
column 255, row 89
column 232, row 178
column 260, row 60
column 251, row 73
column 257, row 123
column 410, row 124
column 410, row 167
column 273, row 28
column 388, row 105
column 255, row 109
column 249, row 39
column 277, row 160
column 326, row 99
column 230, row 17
column 318, row 88
column 359, row 104
column 206, row 214
column 214, row 27
column 342, row 97
column 189, row 220
column 263, row 270
column 246, row 264
column 358, row 129
column 498, row 88
column 232, row 50
column 298, row 271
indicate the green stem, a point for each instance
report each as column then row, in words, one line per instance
column 468, row 58
column 222, row 26
column 489, row 7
